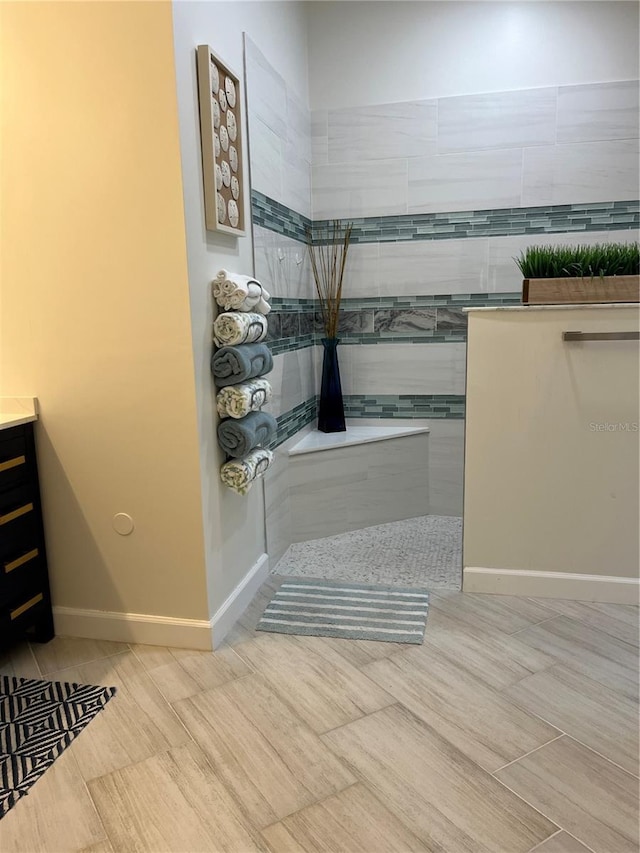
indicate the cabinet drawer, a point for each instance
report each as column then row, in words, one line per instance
column 14, row 462
column 23, row 569
column 20, row 611
column 19, row 536
column 15, row 504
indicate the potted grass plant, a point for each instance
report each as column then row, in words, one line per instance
column 328, row 248
column 560, row 275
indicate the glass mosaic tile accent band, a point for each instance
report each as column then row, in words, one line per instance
column 404, row 406
column 548, row 219
column 289, row 423
column 277, row 217
column 392, row 406
column 380, row 320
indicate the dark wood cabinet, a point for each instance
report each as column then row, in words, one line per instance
column 25, row 601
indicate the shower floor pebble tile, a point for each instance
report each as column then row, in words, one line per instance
column 422, row 552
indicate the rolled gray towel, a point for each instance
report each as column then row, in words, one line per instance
column 238, row 437
column 231, row 365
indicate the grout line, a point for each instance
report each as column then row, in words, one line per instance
column 538, row 846
column 48, row 675
column 535, row 624
column 35, row 659
column 535, row 808
column 531, row 751
column 604, row 757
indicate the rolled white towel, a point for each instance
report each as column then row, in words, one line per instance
column 262, row 307
column 236, row 401
column 235, row 292
column 234, row 327
column 240, row 474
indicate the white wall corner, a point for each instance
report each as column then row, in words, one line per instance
column 133, row 628
column 576, row 587
column 237, row 602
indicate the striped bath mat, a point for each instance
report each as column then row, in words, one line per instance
column 354, row 611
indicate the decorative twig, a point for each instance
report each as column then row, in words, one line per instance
column 328, row 248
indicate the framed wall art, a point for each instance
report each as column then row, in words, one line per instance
column 221, row 135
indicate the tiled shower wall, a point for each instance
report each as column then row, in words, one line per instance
column 443, row 194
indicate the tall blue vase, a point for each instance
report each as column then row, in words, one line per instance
column 331, row 409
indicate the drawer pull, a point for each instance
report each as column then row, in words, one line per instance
column 26, row 606
column 12, row 463
column 16, row 513
column 20, row 561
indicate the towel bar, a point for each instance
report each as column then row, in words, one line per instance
column 601, row 336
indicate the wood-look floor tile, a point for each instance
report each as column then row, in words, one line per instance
column 583, row 793
column 135, row 724
column 619, row 620
column 325, row 689
column 63, row 652
column 361, row 652
column 504, row 613
column 589, row 651
column 171, row 802
column 18, row 661
column 496, row 659
column 594, row 714
column 265, row 754
column 561, row 842
column 482, row 723
column 100, row 847
column 443, row 797
column 180, row 673
column 353, row 820
column 56, row 815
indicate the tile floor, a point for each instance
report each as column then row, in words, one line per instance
column 513, row 728
column 421, row 552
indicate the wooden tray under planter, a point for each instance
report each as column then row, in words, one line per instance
column 565, row 291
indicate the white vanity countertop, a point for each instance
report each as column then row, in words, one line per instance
column 15, row 411
column 573, row 307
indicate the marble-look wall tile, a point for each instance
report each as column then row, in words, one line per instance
column 403, row 368
column 298, row 126
column 296, row 181
column 432, row 267
column 347, row 489
column 451, row 318
column 292, row 380
column 469, row 181
column 282, row 265
column 598, row 111
column 504, row 275
column 266, row 159
column 266, row 90
column 581, row 172
column 497, row 120
column 382, row 131
column 359, row 189
column 409, row 321
column 319, row 137
column 361, row 275
column 446, row 466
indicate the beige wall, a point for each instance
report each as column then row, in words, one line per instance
column 546, row 488
column 95, row 300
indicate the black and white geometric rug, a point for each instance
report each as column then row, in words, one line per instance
column 38, row 721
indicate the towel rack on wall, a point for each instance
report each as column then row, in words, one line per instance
column 601, row 336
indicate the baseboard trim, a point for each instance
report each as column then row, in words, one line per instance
column 133, row 628
column 614, row 590
column 237, row 602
